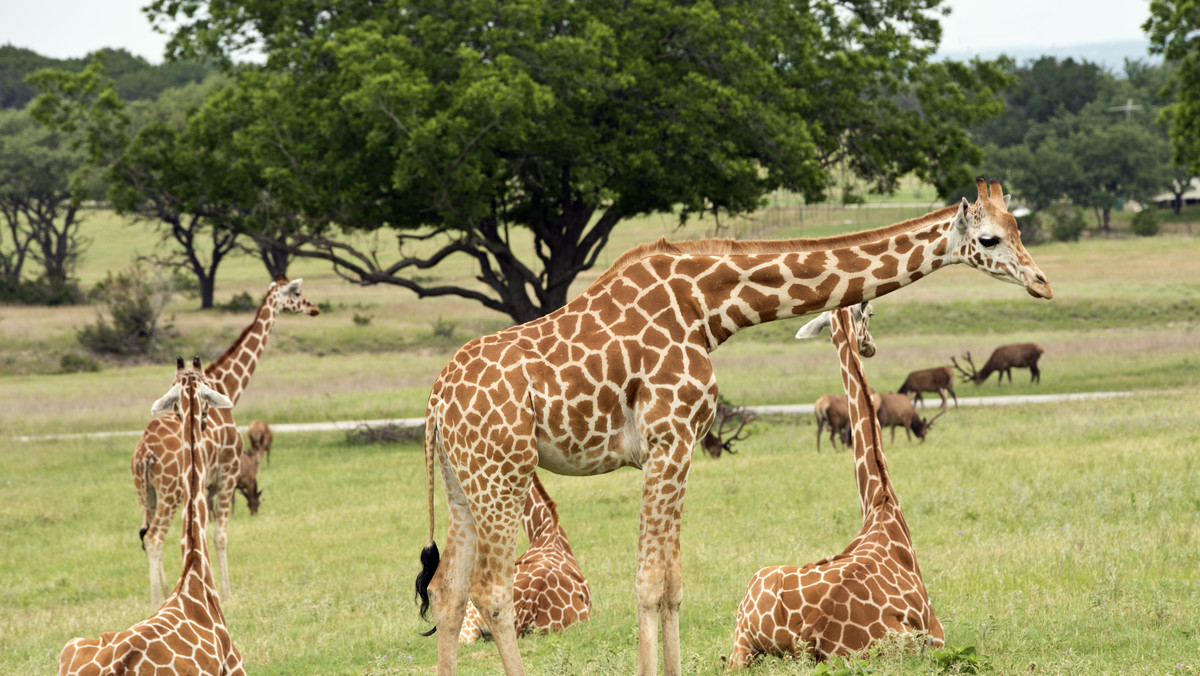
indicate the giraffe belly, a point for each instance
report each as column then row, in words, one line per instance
column 576, row 461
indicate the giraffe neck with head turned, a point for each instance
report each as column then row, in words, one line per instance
column 188, row 633
column 843, row 604
column 549, row 590
column 159, row 475
column 621, row 377
column 233, row 369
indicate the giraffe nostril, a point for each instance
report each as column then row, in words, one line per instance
column 1041, row 279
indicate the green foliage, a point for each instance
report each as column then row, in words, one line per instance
column 74, row 362
column 135, row 77
column 1146, row 223
column 444, row 329
column 1171, row 28
column 242, row 302
column 961, row 660
column 1066, row 222
column 843, row 666
column 361, row 319
column 135, row 300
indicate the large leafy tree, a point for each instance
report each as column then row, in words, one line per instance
column 518, row 134
column 1172, row 28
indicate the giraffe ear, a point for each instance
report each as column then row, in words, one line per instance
column 293, row 286
column 1007, row 198
column 813, row 328
column 166, row 404
column 213, row 397
column 960, row 219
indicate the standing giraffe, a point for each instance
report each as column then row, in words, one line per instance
column 159, row 474
column 549, row 590
column 844, row 603
column 188, row 634
column 620, row 377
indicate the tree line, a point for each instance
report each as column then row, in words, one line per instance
column 518, row 136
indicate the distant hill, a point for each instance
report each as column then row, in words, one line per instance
column 135, row 77
column 1110, row 55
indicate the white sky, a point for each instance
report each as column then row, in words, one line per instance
column 72, row 28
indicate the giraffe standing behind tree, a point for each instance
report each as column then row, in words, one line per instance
column 621, row 377
column 549, row 590
column 844, row 603
column 159, row 475
column 188, row 634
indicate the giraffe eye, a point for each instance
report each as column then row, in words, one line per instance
column 989, row 241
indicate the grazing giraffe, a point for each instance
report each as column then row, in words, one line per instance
column 188, row 634
column 549, row 590
column 844, row 603
column 621, row 377
column 159, row 475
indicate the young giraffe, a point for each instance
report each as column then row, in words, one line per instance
column 159, row 475
column 620, row 376
column 187, row 635
column 549, row 590
column 844, row 603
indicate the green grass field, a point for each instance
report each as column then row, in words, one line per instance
column 1056, row 539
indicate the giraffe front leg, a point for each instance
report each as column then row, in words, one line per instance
column 658, row 585
column 222, row 507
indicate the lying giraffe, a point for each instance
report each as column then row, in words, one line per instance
column 621, row 377
column 844, row 603
column 159, row 475
column 188, row 634
column 549, row 590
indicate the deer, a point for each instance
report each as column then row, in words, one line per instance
column 939, row 379
column 897, row 410
column 718, row 438
column 1003, row 360
column 260, row 437
column 247, row 483
column 832, row 410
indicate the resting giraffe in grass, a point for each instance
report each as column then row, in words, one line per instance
column 620, row 377
column 188, row 634
column 549, row 590
column 844, row 603
column 159, row 476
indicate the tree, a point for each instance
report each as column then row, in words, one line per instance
column 1172, row 27
column 160, row 170
column 518, row 135
column 40, row 207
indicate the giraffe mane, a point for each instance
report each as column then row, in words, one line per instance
column 541, row 491
column 227, row 355
column 728, row 246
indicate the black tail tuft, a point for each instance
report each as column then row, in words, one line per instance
column 142, row 536
column 429, row 564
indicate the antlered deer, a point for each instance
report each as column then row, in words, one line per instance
column 260, row 437
column 832, row 410
column 1003, row 360
column 247, row 483
column 897, row 410
column 721, row 435
column 939, row 379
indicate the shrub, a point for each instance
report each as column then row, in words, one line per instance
column 443, row 329
column 135, row 302
column 1146, row 222
column 362, row 319
column 74, row 362
column 242, row 302
column 1031, row 230
column 1068, row 223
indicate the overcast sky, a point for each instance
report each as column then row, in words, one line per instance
column 72, row 28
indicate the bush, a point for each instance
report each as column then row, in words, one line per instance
column 1068, row 223
column 242, row 302
column 362, row 319
column 74, row 362
column 1146, row 222
column 135, row 302
column 1031, row 230
column 42, row 291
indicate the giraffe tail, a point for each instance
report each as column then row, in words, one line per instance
column 429, row 555
column 149, row 500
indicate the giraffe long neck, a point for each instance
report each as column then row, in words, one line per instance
column 772, row 280
column 540, row 517
column 233, row 369
column 871, row 475
column 195, row 516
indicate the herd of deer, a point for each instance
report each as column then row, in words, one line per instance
column 898, row 409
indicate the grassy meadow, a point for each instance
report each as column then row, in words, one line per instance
column 1055, row 539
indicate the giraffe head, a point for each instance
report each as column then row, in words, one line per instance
column 987, row 239
column 189, row 380
column 289, row 300
column 862, row 315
